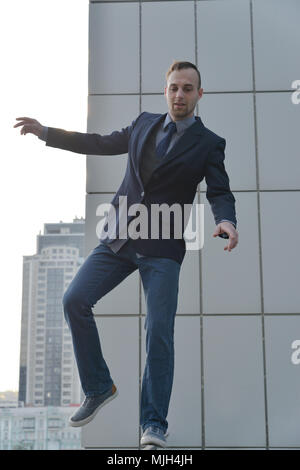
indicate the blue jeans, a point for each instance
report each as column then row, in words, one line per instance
column 100, row 273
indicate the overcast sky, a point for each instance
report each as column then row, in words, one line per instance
column 44, row 73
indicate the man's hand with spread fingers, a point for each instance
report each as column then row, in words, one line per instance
column 29, row 126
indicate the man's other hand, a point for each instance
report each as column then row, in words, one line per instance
column 228, row 228
column 29, row 125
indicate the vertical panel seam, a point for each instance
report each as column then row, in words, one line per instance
column 259, row 224
column 200, row 261
column 140, row 282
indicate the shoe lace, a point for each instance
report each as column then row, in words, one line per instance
column 85, row 401
column 159, row 431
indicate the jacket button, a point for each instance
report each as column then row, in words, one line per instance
column 142, row 194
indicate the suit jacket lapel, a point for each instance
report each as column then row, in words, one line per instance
column 188, row 140
column 144, row 134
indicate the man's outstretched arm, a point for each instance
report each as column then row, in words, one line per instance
column 88, row 144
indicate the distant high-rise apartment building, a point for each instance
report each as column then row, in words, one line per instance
column 48, row 372
column 37, row 428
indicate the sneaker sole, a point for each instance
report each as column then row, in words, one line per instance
column 76, row 424
column 148, row 440
column 151, row 447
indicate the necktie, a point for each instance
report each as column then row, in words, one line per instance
column 163, row 145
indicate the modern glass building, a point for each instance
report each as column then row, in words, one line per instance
column 48, row 373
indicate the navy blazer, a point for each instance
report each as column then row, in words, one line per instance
column 197, row 154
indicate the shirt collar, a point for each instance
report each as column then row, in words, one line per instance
column 182, row 125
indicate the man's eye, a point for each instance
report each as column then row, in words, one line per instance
column 185, row 89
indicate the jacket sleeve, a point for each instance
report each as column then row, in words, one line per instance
column 218, row 191
column 115, row 143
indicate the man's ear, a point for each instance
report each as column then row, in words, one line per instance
column 200, row 93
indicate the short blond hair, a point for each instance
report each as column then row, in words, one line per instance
column 179, row 65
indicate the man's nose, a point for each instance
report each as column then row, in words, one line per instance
column 179, row 93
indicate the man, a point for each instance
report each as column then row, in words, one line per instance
column 168, row 155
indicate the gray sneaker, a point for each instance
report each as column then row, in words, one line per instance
column 90, row 407
column 155, row 436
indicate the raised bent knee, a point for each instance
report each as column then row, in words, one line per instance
column 67, row 300
column 72, row 302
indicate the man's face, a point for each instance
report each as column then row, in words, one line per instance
column 182, row 93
